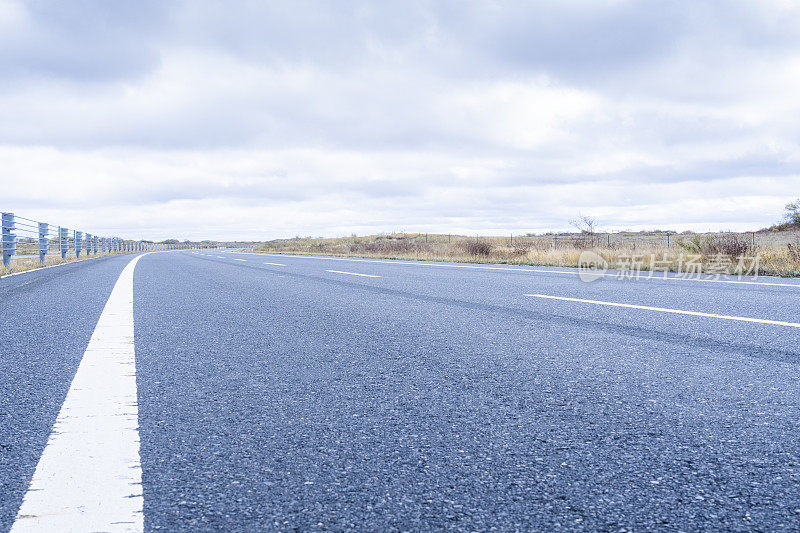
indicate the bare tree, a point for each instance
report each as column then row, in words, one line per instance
column 585, row 224
column 793, row 212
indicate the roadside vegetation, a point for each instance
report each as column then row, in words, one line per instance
column 22, row 264
column 777, row 249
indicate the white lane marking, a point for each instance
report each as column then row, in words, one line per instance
column 534, row 270
column 220, row 257
column 275, row 264
column 669, row 310
column 352, row 273
column 239, row 259
column 89, row 477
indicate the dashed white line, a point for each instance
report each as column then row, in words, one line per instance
column 220, row 257
column 668, row 310
column 275, row 264
column 239, row 259
column 537, row 270
column 353, row 273
column 89, row 475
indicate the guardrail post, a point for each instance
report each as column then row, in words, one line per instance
column 63, row 241
column 43, row 241
column 78, row 243
column 9, row 238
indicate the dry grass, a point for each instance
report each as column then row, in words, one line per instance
column 562, row 251
column 23, row 264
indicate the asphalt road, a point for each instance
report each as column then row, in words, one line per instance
column 327, row 394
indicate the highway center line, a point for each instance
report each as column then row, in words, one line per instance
column 275, row 264
column 89, row 477
column 535, row 270
column 239, row 259
column 220, row 257
column 668, row 310
column 353, row 273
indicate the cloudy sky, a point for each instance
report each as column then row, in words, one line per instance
column 257, row 120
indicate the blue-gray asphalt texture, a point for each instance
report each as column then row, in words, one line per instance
column 430, row 398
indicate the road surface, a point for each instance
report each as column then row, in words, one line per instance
column 306, row 393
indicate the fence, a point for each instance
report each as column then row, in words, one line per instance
column 23, row 238
column 578, row 240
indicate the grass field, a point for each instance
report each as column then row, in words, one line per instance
column 764, row 253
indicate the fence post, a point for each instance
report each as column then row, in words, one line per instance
column 9, row 238
column 78, row 243
column 63, row 241
column 43, row 243
column 754, row 239
column 667, row 240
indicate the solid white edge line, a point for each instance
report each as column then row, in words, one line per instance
column 669, row 310
column 353, row 273
column 89, row 475
column 533, row 270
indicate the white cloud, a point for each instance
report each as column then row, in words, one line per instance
column 256, row 121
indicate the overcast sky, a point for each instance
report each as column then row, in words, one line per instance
column 257, row 120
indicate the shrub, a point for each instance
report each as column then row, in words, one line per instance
column 794, row 251
column 478, row 248
column 729, row 245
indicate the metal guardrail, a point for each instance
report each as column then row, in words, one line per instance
column 23, row 237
